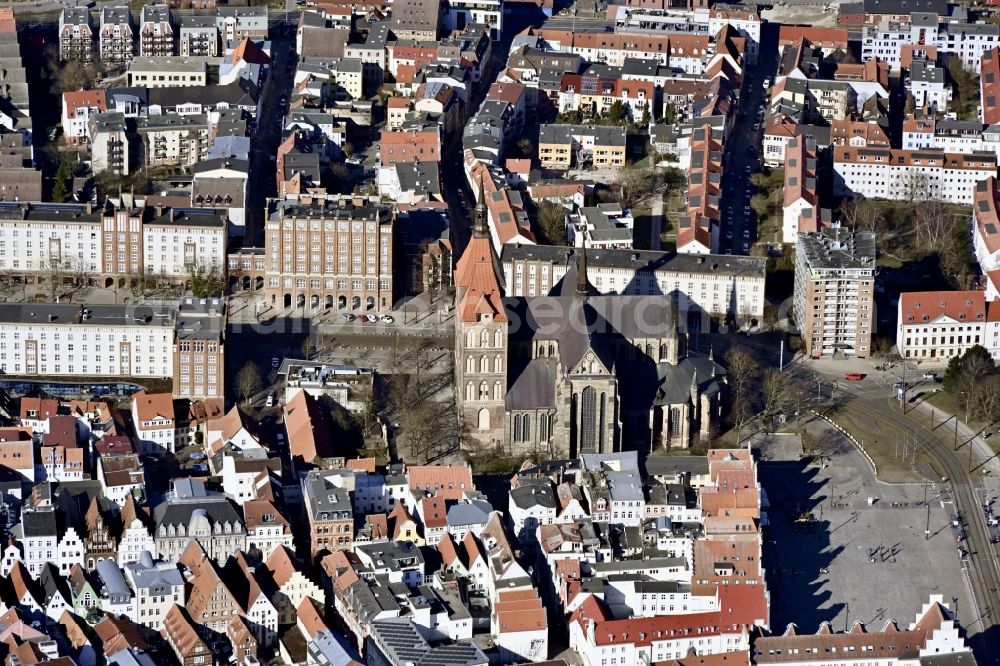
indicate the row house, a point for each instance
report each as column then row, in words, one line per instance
column 882, row 173
column 800, row 208
column 934, row 631
column 951, row 136
column 698, row 229
column 116, row 35
column 594, row 96
column 986, row 227
column 989, row 87
column 76, row 34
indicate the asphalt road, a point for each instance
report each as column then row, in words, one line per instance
column 742, row 153
column 265, row 140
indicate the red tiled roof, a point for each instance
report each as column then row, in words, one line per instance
column 446, row 481
column 989, row 86
column 921, row 307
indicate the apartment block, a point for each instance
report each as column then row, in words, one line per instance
column 989, row 87
column 235, row 23
column 884, row 173
column 969, row 41
column 563, row 146
column 198, row 36
column 834, row 292
column 117, row 37
column 928, row 86
column 199, row 349
column 64, row 340
column 156, row 31
column 329, row 251
column 76, row 34
column 173, row 139
column 111, row 145
column 118, row 243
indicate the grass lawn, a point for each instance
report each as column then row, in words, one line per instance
column 945, row 404
column 885, row 449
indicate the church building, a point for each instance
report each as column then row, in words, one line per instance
column 574, row 371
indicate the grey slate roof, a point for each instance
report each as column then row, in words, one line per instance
column 534, row 387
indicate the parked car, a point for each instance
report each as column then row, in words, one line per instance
column 387, row 319
column 930, row 375
column 275, row 362
column 348, row 316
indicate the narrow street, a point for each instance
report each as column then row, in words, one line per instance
column 742, row 152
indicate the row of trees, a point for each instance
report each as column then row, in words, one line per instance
column 972, row 379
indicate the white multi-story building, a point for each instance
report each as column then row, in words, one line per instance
column 724, row 286
column 93, row 341
column 951, row 136
column 460, row 13
column 968, row 41
column 77, row 108
column 168, row 72
column 154, row 423
column 116, row 35
column 75, row 241
column 158, row 586
column 939, row 325
column 183, row 237
column 928, row 85
column 910, row 175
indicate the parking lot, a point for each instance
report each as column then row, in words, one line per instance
column 832, row 556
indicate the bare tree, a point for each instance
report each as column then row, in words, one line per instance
column 776, row 393
column 248, row 382
column 637, row 185
column 860, row 214
column 742, row 371
column 915, row 187
column 932, row 222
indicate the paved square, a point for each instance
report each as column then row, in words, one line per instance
column 821, row 570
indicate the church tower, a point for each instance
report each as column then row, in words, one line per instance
column 480, row 335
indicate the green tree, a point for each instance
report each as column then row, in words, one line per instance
column 64, row 176
column 552, row 222
column 617, row 113
column 207, row 280
column 670, row 114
